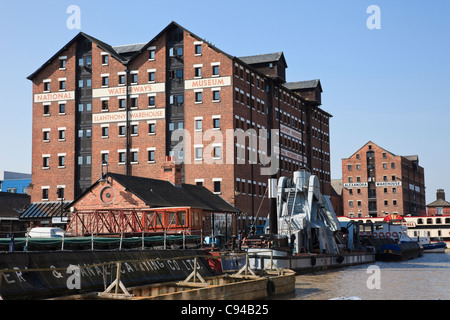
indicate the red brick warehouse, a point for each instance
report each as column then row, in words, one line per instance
column 95, row 103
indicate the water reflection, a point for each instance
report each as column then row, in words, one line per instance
column 425, row 278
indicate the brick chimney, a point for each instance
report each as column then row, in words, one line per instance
column 172, row 172
column 440, row 194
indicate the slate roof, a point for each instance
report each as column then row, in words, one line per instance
column 161, row 194
column 12, row 204
column 439, row 203
column 264, row 58
column 298, row 85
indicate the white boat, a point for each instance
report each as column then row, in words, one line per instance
column 429, row 246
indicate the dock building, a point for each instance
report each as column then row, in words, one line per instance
column 125, row 106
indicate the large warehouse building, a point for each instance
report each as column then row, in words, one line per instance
column 178, row 98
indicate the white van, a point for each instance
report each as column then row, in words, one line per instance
column 46, row 232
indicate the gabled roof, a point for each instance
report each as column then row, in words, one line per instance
column 104, row 46
column 300, row 85
column 265, row 58
column 160, row 194
column 439, row 203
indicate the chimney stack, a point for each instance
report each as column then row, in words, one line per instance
column 172, row 172
column 440, row 194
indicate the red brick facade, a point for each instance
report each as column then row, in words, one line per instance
column 377, row 183
column 247, row 99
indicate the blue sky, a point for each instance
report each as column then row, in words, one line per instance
column 389, row 86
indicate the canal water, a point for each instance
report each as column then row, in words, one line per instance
column 424, row 278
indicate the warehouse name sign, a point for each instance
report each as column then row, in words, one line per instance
column 121, row 91
column 377, row 184
column 54, row 96
column 356, row 185
column 207, row 83
column 388, row 184
column 135, row 115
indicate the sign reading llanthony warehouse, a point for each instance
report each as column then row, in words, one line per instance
column 135, row 115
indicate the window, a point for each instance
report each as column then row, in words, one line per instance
column 394, row 202
column 80, row 83
column 88, row 159
column 151, row 128
column 151, row 101
column 349, row 167
column 386, row 203
column 45, row 162
column 134, row 78
column 384, row 155
column 121, row 130
column 384, row 165
column 121, row 157
column 105, row 132
column 62, row 63
column 121, row 103
column 394, row 190
column 151, row 54
column 198, row 49
column 62, row 85
column 121, row 79
column 216, row 123
column 198, row 97
column 350, row 203
column 134, row 157
column 198, row 153
column 151, row 155
column 80, row 133
column 392, row 165
column 46, row 110
column 44, row 193
column 215, row 70
column 61, row 135
column 359, row 203
column 134, row 102
column 47, row 86
column 217, row 152
column 104, row 105
column 60, row 192
column 88, row 83
column 88, row 133
column 134, row 129
column 80, row 160
column 46, row 135
column 105, row 59
column 179, row 74
column 105, row 157
column 216, row 95
column 61, row 161
column 217, row 186
column 105, row 81
column 198, row 72
column 198, row 125
column 62, row 108
column 151, row 77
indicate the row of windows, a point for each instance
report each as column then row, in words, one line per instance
column 386, row 203
column 358, row 166
column 244, row 187
column 372, row 193
column 385, row 178
column 61, row 85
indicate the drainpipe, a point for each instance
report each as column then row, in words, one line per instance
column 127, row 121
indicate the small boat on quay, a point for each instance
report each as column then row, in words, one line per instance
column 388, row 238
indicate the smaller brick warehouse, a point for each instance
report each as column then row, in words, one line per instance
column 377, row 183
column 127, row 204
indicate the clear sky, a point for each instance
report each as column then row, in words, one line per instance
column 387, row 85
